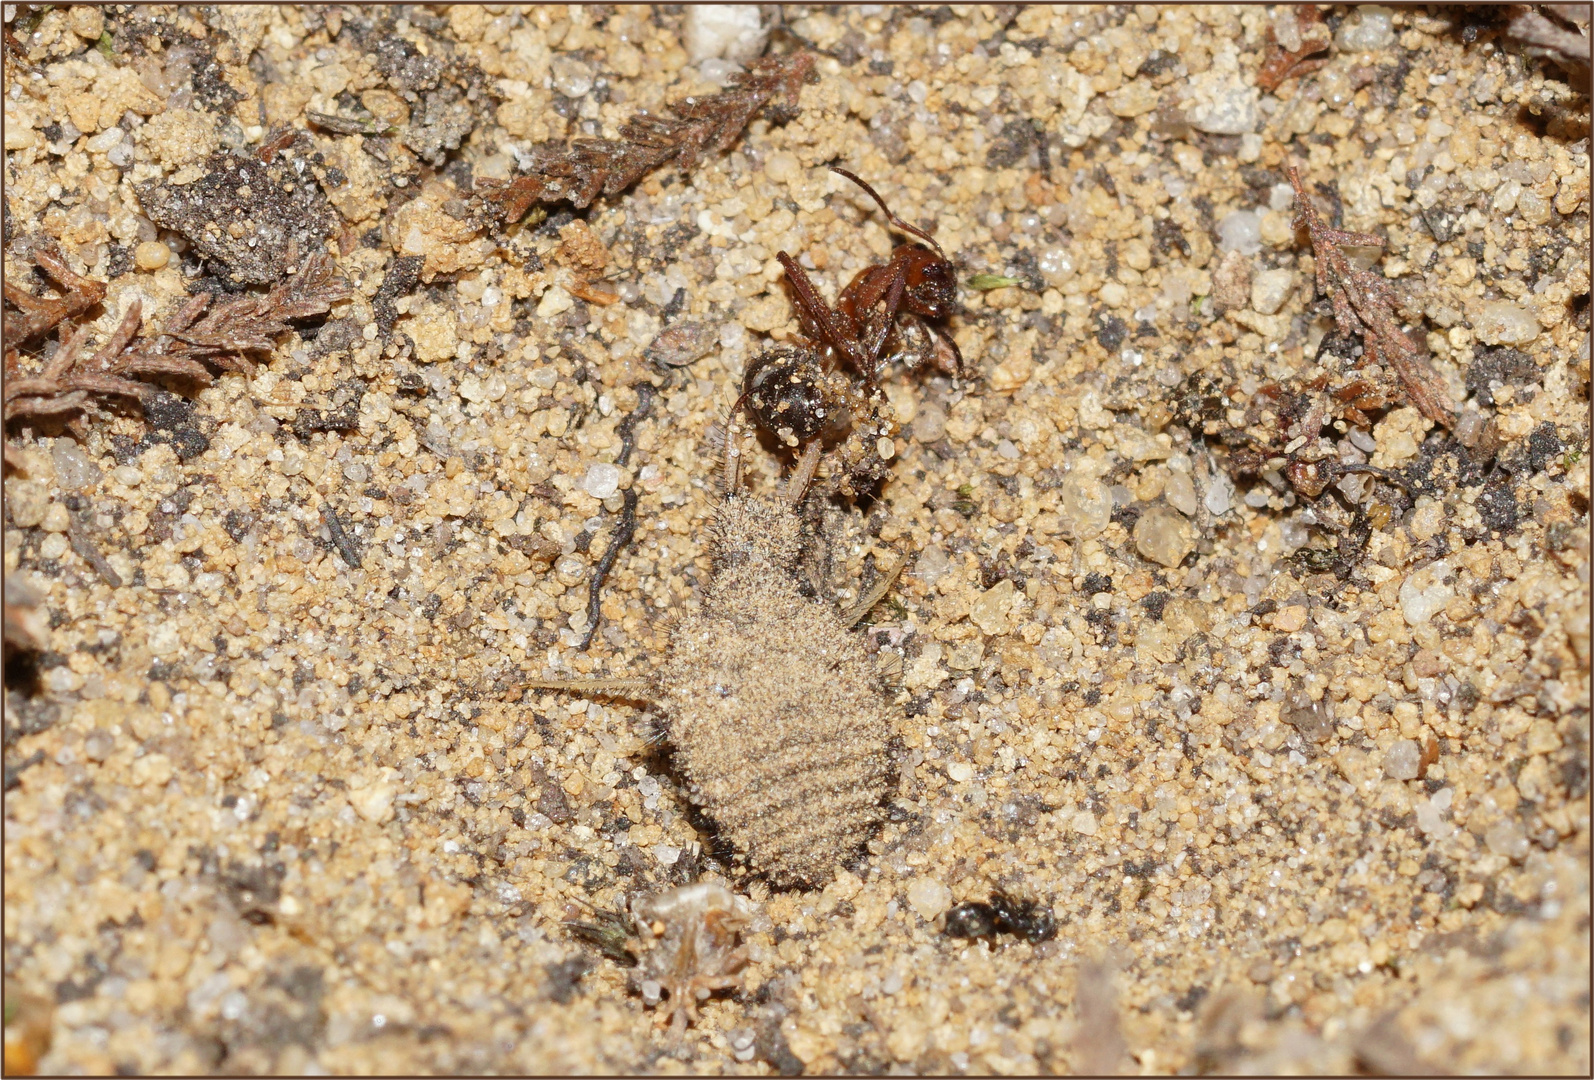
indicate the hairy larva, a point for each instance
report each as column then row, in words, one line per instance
column 775, row 710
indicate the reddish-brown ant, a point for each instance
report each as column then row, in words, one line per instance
column 796, row 392
column 881, row 315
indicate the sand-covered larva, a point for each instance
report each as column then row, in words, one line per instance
column 777, row 715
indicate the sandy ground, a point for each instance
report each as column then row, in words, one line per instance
column 1303, row 781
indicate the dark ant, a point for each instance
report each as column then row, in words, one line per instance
column 1003, row 915
column 789, row 393
column 881, row 315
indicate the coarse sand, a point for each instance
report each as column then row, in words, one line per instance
column 1301, row 775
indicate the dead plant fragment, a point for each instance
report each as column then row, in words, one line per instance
column 1564, row 42
column 38, row 315
column 1364, row 307
column 224, row 334
column 200, row 336
column 583, row 169
column 1293, row 45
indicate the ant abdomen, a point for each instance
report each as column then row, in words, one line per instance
column 789, row 394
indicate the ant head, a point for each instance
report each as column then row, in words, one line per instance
column 912, row 230
column 931, row 286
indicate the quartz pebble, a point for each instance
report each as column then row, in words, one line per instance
column 98, row 745
column 374, row 801
column 1225, row 104
column 72, row 466
column 1180, row 492
column 1501, row 322
column 1431, row 814
column 1424, row 594
column 1241, row 231
column 929, row 897
column 571, row 77
column 1220, row 495
column 1085, row 506
column 601, row 481
column 556, row 301
column 27, row 500
column 1132, row 99
column 930, row 423
column 734, row 32
column 1506, row 837
column 990, row 612
column 966, row 655
column 1403, row 760
column 1269, row 290
column 1164, row 536
column 1366, row 29
column 105, row 140
column 932, row 565
column 782, row 167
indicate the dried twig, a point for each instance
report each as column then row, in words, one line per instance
column 626, row 429
column 623, row 533
column 626, row 528
column 1364, row 305
column 581, row 170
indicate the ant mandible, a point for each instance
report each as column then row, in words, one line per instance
column 918, row 282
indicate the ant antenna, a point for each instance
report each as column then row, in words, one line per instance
column 891, row 217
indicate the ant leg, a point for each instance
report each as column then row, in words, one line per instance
column 879, row 331
column 852, row 617
column 813, row 305
column 944, row 339
column 797, row 486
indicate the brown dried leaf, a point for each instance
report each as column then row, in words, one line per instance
column 1282, row 64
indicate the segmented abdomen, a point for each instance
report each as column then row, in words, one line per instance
column 782, row 735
